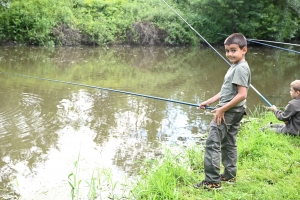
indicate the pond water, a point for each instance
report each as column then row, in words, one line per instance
column 67, row 107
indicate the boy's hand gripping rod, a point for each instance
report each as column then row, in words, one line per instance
column 216, row 51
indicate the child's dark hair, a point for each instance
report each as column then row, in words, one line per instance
column 296, row 85
column 236, row 38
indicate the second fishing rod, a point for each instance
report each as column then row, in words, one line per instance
column 266, row 101
column 285, row 49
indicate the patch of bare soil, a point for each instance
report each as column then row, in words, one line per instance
column 146, row 33
column 67, row 36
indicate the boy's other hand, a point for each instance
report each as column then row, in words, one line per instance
column 219, row 115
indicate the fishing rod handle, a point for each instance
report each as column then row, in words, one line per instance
column 209, row 108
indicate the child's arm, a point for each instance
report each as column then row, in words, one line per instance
column 240, row 96
column 285, row 115
column 209, row 101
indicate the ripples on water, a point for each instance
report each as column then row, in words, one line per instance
column 41, row 135
column 22, row 129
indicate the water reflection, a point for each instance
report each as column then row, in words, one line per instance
column 46, row 125
column 27, row 131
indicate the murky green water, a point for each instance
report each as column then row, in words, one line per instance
column 45, row 124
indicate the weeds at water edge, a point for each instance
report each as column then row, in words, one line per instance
column 73, row 178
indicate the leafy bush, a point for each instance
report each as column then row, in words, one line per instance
column 72, row 22
column 32, row 21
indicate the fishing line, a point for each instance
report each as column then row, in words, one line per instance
column 216, row 51
column 108, row 89
column 297, row 52
column 251, row 40
column 275, row 42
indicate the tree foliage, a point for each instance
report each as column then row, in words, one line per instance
column 101, row 22
column 269, row 19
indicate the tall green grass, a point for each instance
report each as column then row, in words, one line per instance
column 268, row 168
column 74, row 178
column 101, row 185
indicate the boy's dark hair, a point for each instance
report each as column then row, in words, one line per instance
column 296, row 85
column 236, row 38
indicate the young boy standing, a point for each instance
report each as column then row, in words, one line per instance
column 221, row 141
column 291, row 114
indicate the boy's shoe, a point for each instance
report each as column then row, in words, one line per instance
column 266, row 127
column 208, row 185
column 229, row 181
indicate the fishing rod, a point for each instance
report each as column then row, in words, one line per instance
column 108, row 89
column 216, row 51
column 251, row 40
column 297, row 52
column 275, row 42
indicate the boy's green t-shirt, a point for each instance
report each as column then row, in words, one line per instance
column 238, row 74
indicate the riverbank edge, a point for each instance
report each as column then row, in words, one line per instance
column 268, row 167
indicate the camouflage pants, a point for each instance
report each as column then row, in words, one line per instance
column 278, row 128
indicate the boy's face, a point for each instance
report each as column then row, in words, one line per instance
column 234, row 53
column 294, row 94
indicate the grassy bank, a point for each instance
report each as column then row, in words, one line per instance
column 268, row 168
